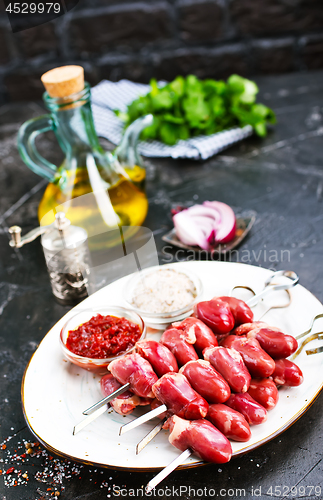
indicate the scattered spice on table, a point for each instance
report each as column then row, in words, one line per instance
column 18, row 462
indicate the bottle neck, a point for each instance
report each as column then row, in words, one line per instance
column 73, row 118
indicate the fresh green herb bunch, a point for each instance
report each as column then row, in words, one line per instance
column 187, row 107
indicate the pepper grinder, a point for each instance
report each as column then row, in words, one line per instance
column 67, row 257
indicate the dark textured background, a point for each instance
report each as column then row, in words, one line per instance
column 281, row 178
column 132, row 39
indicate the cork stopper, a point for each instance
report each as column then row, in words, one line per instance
column 64, row 81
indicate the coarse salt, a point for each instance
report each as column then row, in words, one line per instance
column 162, row 291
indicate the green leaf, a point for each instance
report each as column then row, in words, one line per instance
column 184, row 132
column 151, row 132
column 260, row 129
column 122, row 115
column 178, row 86
column 154, row 87
column 260, row 110
column 245, row 89
column 196, row 109
column 173, row 119
column 169, row 133
column 212, row 87
column 162, row 100
column 193, row 84
column 188, row 106
column 217, row 105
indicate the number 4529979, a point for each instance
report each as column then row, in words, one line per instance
column 299, row 491
column 33, row 8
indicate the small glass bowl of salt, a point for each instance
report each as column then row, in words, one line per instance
column 163, row 294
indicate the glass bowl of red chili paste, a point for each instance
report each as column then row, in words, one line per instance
column 92, row 338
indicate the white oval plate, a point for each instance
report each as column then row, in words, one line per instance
column 55, row 392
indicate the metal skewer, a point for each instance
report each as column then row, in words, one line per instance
column 107, row 399
column 94, row 410
column 167, row 470
column 187, row 453
column 141, row 420
column 146, row 440
column 98, row 409
column 277, row 307
column 318, row 316
column 269, row 286
column 89, row 419
column 318, row 349
column 151, row 434
column 314, row 336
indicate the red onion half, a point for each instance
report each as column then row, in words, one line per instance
column 205, row 225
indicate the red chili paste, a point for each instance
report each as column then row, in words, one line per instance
column 103, row 337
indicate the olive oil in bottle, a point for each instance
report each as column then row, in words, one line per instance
column 94, row 189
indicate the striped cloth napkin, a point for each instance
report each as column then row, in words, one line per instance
column 107, row 96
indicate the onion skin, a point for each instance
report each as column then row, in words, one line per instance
column 188, row 232
column 227, row 230
column 205, row 225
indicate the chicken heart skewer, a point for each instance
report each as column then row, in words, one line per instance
column 254, row 300
column 173, row 390
column 158, row 355
column 151, row 434
column 167, row 470
column 106, row 400
column 215, row 390
column 189, row 353
column 244, row 328
column 197, row 436
column 96, row 409
column 132, row 371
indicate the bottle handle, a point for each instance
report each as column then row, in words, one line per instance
column 127, row 151
column 27, row 148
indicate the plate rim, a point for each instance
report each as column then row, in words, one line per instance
column 198, row 463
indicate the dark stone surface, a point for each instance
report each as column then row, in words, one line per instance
column 200, row 20
column 126, row 26
column 268, row 18
column 137, row 39
column 271, row 58
column 212, row 63
column 311, row 51
column 4, row 54
column 39, row 41
column 135, row 68
column 281, row 177
column 24, row 85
